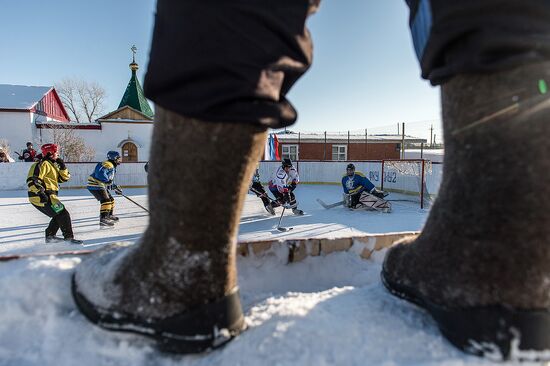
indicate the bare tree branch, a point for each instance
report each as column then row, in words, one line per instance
column 82, row 98
column 66, row 91
column 72, row 146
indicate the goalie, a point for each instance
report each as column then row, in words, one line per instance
column 359, row 192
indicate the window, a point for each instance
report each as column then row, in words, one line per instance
column 290, row 151
column 339, row 152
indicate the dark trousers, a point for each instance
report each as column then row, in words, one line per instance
column 247, row 54
column 107, row 201
column 280, row 197
column 355, row 199
column 59, row 220
column 260, row 192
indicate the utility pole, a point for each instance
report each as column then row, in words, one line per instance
column 348, row 152
column 366, row 144
column 403, row 142
column 431, row 135
column 325, row 147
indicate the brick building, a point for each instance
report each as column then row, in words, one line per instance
column 341, row 147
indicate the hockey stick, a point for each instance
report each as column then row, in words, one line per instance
column 277, row 203
column 263, row 195
column 279, row 227
column 134, row 202
column 328, row 206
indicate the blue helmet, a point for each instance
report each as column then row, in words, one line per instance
column 113, row 155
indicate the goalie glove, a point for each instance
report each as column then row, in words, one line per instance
column 380, row 194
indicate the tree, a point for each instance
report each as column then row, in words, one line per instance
column 83, row 99
column 72, row 147
column 5, row 146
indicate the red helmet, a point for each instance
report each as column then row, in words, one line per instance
column 49, row 149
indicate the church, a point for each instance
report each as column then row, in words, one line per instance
column 34, row 113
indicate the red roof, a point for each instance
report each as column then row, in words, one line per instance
column 50, row 106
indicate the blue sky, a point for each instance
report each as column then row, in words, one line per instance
column 365, row 73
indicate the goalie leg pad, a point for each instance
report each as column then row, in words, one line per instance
column 371, row 202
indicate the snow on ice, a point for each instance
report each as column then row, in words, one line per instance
column 327, row 310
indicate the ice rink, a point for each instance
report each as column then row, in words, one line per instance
column 325, row 310
column 22, row 226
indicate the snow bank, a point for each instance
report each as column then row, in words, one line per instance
column 328, row 310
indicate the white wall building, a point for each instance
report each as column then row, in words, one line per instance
column 33, row 113
column 22, row 107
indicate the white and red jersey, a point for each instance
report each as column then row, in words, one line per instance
column 282, row 180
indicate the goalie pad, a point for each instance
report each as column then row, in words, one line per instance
column 368, row 201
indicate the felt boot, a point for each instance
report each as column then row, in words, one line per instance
column 481, row 265
column 178, row 285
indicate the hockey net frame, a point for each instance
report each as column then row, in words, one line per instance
column 407, row 176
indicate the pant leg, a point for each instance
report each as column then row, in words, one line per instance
column 229, row 61
column 112, row 203
column 278, row 195
column 453, row 37
column 262, row 193
column 105, row 198
column 63, row 220
column 59, row 220
column 293, row 202
column 355, row 199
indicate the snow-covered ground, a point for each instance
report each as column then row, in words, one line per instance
column 326, row 310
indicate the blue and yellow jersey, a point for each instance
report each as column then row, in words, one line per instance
column 357, row 183
column 45, row 175
column 102, row 176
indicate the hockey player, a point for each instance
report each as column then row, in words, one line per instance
column 100, row 182
column 259, row 190
column 354, row 184
column 29, row 154
column 43, row 185
column 283, row 183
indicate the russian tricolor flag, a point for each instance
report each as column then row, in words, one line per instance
column 272, row 148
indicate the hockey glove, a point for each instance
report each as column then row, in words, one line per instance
column 117, row 189
column 42, row 194
column 60, row 163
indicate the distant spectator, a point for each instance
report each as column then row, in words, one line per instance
column 3, row 157
column 29, row 154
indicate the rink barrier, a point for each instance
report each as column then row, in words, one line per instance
column 296, row 250
column 290, row 250
column 13, row 176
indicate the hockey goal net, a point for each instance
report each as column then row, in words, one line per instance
column 408, row 177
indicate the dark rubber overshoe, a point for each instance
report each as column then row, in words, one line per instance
column 496, row 332
column 196, row 331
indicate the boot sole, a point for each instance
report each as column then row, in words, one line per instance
column 495, row 332
column 199, row 330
